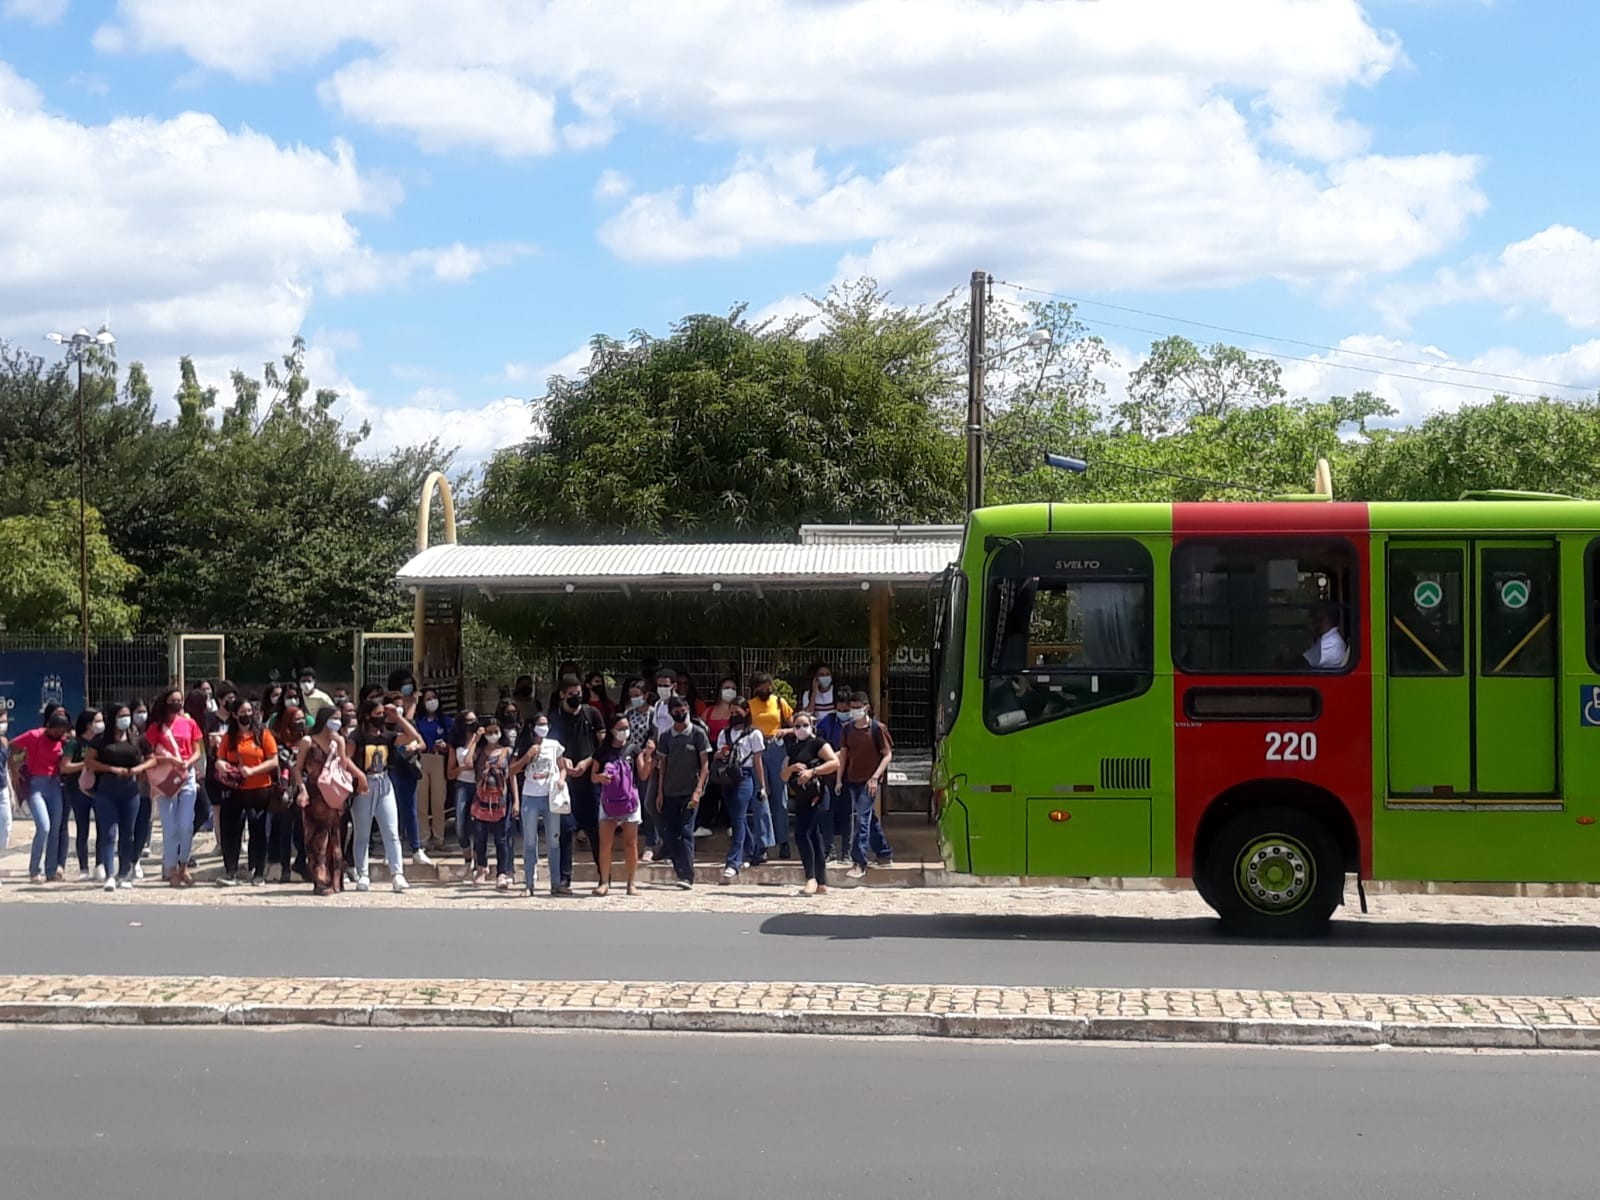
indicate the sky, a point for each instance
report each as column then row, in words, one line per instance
column 448, row 201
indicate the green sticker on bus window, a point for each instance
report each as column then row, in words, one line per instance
column 1514, row 593
column 1427, row 595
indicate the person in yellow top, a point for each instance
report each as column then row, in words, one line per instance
column 771, row 714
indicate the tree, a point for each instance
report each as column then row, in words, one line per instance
column 1179, row 382
column 728, row 429
column 40, row 582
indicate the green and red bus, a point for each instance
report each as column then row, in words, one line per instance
column 1267, row 698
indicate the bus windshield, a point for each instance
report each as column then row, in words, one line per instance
column 948, row 645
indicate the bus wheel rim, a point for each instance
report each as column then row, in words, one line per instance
column 1275, row 874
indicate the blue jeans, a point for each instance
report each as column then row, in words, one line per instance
column 844, row 821
column 737, row 801
column 776, row 829
column 116, row 821
column 376, row 803
column 177, row 825
column 44, row 802
column 405, row 800
column 869, row 833
column 463, row 790
column 534, row 810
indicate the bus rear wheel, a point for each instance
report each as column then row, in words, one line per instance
column 1274, row 872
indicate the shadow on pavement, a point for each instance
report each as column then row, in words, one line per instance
column 1185, row 931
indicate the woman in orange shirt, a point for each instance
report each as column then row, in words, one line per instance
column 247, row 764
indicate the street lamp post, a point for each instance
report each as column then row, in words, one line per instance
column 77, row 347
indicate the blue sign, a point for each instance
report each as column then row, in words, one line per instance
column 1589, row 705
column 31, row 679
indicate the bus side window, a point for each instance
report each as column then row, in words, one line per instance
column 1244, row 606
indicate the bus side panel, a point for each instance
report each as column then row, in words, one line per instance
column 1333, row 752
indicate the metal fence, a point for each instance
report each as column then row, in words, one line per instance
column 118, row 671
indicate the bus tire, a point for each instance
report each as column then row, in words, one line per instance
column 1273, row 872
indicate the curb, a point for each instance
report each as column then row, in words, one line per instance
column 1153, row 1028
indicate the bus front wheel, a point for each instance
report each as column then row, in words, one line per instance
column 1274, row 872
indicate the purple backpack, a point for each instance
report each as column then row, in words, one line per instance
column 619, row 797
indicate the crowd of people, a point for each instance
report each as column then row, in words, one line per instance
column 294, row 781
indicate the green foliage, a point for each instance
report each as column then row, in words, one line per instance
column 40, row 578
column 1179, row 383
column 725, row 429
column 263, row 515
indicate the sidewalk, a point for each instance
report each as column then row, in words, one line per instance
column 1026, row 1013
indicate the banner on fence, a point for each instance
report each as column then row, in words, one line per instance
column 31, row 679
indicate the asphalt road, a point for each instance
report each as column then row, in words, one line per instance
column 196, row 1115
column 579, row 944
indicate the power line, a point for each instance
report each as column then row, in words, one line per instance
column 1409, row 362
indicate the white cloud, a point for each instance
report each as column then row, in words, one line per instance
column 1557, row 270
column 612, row 185
column 448, row 106
column 569, row 365
column 39, row 12
column 368, row 270
column 16, row 93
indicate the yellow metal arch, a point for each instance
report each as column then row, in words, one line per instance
column 435, row 480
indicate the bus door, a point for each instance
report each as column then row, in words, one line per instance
column 1471, row 681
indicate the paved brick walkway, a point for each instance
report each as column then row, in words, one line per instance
column 1160, row 1014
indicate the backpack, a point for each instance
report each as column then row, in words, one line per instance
column 727, row 772
column 619, row 795
column 489, row 800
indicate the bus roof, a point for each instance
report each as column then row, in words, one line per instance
column 1523, row 514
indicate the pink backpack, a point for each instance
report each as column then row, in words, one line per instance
column 619, row 796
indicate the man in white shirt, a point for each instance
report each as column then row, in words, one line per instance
column 1329, row 651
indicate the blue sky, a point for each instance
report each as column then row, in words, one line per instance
column 448, row 206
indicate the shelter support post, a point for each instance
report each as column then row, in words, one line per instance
column 879, row 639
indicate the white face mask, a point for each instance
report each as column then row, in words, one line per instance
column 540, row 730
column 97, row 728
column 824, row 682
column 307, row 686
column 334, row 725
column 619, row 736
column 635, row 701
column 858, row 715
column 663, row 691
column 491, row 738
column 211, row 704
column 802, row 731
column 729, row 695
column 124, row 723
column 431, row 705
column 141, row 719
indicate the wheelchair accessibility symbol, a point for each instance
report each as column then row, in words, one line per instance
column 1589, row 706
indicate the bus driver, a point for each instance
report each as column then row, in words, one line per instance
column 1328, row 650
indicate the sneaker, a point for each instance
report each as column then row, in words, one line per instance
column 109, row 885
column 810, row 888
column 138, row 870
column 86, row 877
column 502, row 883
column 857, row 872
column 884, row 862
column 649, row 856
column 729, row 874
column 685, row 885
column 35, row 878
column 126, row 883
column 258, row 879
column 350, row 875
column 227, row 881
column 421, row 859
column 364, row 884
column 99, row 873
column 400, row 885
column 60, row 875
column 702, row 832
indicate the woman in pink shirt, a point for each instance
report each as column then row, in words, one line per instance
column 36, row 759
column 177, row 744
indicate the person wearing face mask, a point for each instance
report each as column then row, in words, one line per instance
column 36, row 771
column 616, row 775
column 742, row 775
column 680, row 761
column 818, row 699
column 433, row 726
column 201, row 707
column 831, row 729
column 864, row 761
column 543, row 763
column 247, row 763
column 78, row 799
column 283, row 814
column 146, row 818
column 118, row 759
column 380, row 735
column 594, row 695
column 807, row 760
column 6, row 790
column 771, row 714
column 463, row 743
column 178, row 746
column 405, row 770
column 581, row 729
column 714, row 808
column 312, row 698
column 322, row 812
column 492, row 803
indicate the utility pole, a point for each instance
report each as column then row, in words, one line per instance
column 83, row 534
column 976, row 338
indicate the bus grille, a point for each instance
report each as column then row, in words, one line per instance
column 1125, row 774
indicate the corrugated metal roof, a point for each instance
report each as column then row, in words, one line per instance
column 551, row 568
